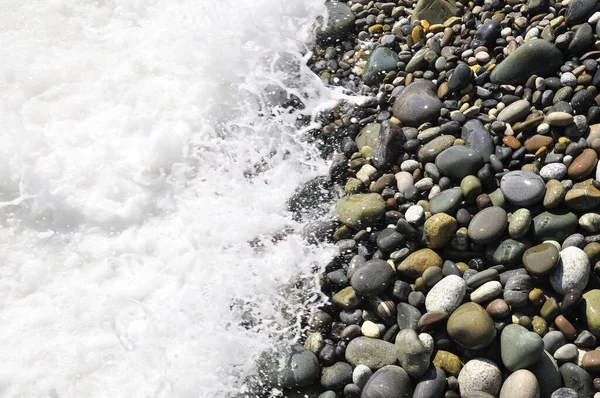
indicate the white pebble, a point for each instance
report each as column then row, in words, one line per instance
column 414, row 214
column 488, row 291
column 361, row 374
column 533, row 32
column 553, row 171
column 482, row 57
column 370, row 329
column 572, row 271
column 480, row 375
column 568, row 79
column 446, row 295
column 506, row 32
column 424, row 184
column 567, row 160
column 543, row 128
column 409, row 165
column 594, row 18
column 366, row 173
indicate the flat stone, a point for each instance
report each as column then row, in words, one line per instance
column 434, row 11
column 381, row 61
column 417, row 104
column 536, row 57
column 407, row 316
column 488, row 225
column 439, row 229
column 471, row 326
column 591, row 303
column 372, row 278
column 519, row 347
column 459, row 161
column 480, row 375
column 446, row 295
column 583, row 196
column 554, row 225
column 541, row 259
column 416, row 263
column 360, row 210
column 523, row 188
column 388, row 382
column 522, row 384
column 447, row 201
column 572, row 271
column 374, row 353
column 515, row 112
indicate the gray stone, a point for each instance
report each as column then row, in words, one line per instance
column 566, row 353
column 381, row 61
column 388, row 382
column 340, row 21
column 509, row 252
column 417, row 104
column 428, row 152
column 447, row 201
column 431, row 384
column 553, row 341
column 459, row 161
column 519, row 347
column 413, row 355
column 460, row 78
column 478, row 138
column 515, row 112
column 372, row 278
column 565, row 392
column 373, row 353
column 360, row 375
column 579, row 11
column 522, row 188
column 300, row 368
column 536, row 57
column 578, row 379
column 546, row 371
column 337, row 376
column 360, row 210
column 388, row 145
column 488, row 225
column 522, row 384
column 554, row 226
column 408, row 316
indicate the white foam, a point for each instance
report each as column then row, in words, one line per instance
column 125, row 130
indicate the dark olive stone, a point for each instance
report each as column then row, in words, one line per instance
column 536, row 57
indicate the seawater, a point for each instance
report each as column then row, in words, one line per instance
column 127, row 213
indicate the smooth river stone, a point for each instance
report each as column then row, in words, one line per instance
column 522, row 384
column 471, row 326
column 417, row 104
column 300, row 368
column 413, row 354
column 554, row 226
column 389, row 144
column 519, row 347
column 579, row 11
column 515, row 112
column 583, row 165
column 459, row 161
column 447, row 201
column 335, row 377
column 360, row 210
column 541, row 259
column 431, row 384
column 368, row 135
column 388, row 382
column 523, row 188
column 479, row 375
column 434, row 11
column 536, row 57
column 487, row 225
column 372, row 278
column 374, row 353
column 439, row 229
column 428, row 152
column 416, row 263
column 446, row 295
column 572, row 271
column 340, row 21
column 381, row 61
column 519, row 223
column 583, row 196
column 578, row 379
column 591, row 303
column 478, row 138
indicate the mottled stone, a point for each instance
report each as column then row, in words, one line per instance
column 446, row 295
column 480, row 375
column 448, row 362
column 360, row 210
column 381, row 61
column 434, row 11
column 373, row 353
column 583, row 196
column 519, row 223
column 439, row 230
column 416, row 263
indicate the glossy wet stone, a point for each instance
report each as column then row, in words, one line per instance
column 523, row 188
column 360, row 210
column 541, row 259
column 372, row 278
column 537, row 57
column 381, row 61
column 458, row 162
column 471, row 326
column 447, row 201
column 340, row 22
column 520, row 348
column 417, row 104
column 388, row 382
column 416, row 263
column 554, row 225
column 488, row 225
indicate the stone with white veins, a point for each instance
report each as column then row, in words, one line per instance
column 572, row 271
column 446, row 295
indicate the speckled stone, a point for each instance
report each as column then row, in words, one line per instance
column 519, row 223
column 374, row 353
column 486, row 292
column 439, row 230
column 572, row 271
column 522, row 188
column 360, row 210
column 480, row 375
column 446, row 295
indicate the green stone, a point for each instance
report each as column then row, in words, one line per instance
column 447, row 201
column 536, row 57
column 554, row 226
column 541, row 259
column 434, row 11
column 346, row 298
column 368, row 136
column 591, row 302
column 555, row 194
column 471, row 326
column 360, row 210
column 519, row 347
column 519, row 223
column 471, row 187
column 381, row 61
column 428, row 152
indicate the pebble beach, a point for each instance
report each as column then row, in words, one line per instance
column 462, row 196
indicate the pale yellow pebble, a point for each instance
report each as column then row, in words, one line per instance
column 370, row 329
